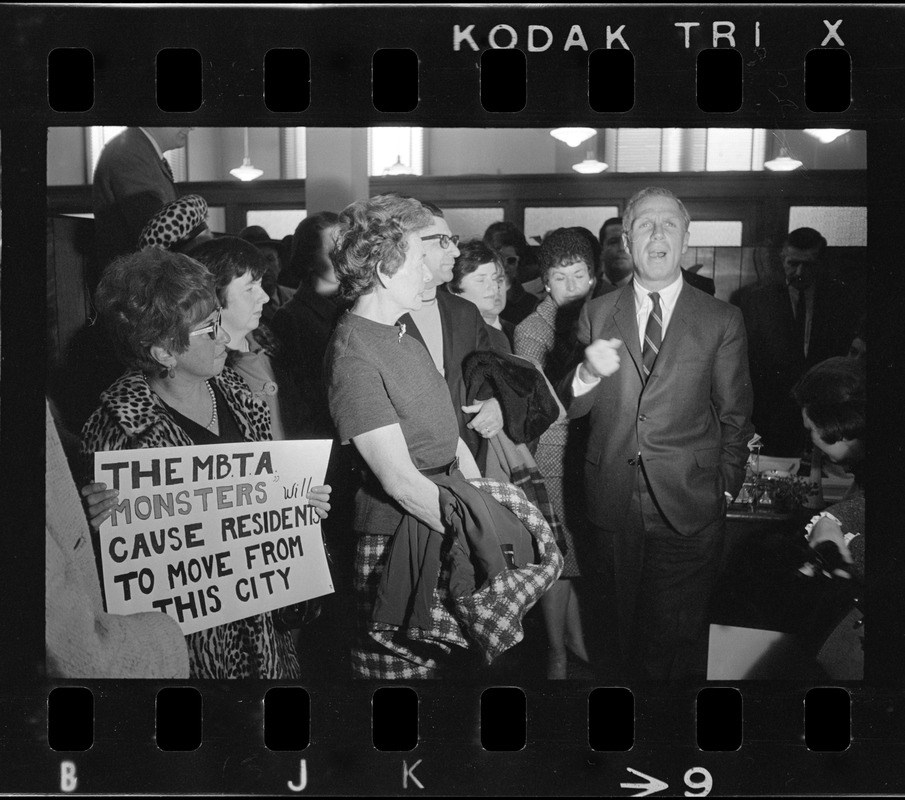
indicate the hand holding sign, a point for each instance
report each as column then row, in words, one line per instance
column 99, row 502
column 212, row 534
column 319, row 497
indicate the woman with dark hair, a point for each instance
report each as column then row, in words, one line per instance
column 309, row 261
column 165, row 321
column 833, row 409
column 388, row 399
column 547, row 337
column 519, row 264
column 478, row 276
column 238, row 268
column 303, row 327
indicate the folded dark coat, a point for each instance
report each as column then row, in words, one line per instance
column 490, row 619
column 529, row 408
column 481, row 528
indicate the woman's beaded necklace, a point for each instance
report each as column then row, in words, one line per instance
column 213, row 423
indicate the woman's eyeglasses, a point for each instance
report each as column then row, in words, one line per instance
column 444, row 239
column 212, row 328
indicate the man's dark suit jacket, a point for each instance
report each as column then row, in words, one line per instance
column 129, row 187
column 777, row 356
column 690, row 422
column 463, row 333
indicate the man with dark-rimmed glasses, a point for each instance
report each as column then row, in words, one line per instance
column 451, row 328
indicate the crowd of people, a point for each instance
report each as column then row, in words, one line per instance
column 563, row 423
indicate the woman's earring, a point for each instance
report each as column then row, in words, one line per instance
column 171, row 372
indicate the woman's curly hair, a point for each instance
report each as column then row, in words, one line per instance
column 370, row 235
column 153, row 298
column 563, row 247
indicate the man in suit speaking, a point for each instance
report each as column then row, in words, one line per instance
column 664, row 378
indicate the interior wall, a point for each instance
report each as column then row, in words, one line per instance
column 213, row 152
column 66, row 153
column 490, row 151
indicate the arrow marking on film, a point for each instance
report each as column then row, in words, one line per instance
column 650, row 786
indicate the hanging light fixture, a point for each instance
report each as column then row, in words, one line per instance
column 783, row 162
column 246, row 172
column 398, row 168
column 573, row 136
column 826, row 135
column 590, row 166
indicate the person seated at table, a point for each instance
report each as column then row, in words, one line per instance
column 833, row 409
column 479, row 277
column 165, row 321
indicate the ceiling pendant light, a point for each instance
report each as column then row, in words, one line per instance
column 246, row 172
column 573, row 136
column 590, row 166
column 783, row 162
column 826, row 135
column 398, row 168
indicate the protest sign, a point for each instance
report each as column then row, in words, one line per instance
column 212, row 534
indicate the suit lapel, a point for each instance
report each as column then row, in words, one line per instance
column 678, row 326
column 626, row 321
column 446, row 327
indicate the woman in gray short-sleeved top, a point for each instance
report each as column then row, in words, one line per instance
column 388, row 399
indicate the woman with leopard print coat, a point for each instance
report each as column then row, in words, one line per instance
column 164, row 319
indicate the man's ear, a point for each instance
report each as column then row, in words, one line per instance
column 685, row 241
column 626, row 242
column 163, row 356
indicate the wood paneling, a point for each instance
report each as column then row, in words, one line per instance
column 70, row 243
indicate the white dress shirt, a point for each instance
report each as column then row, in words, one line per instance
column 643, row 306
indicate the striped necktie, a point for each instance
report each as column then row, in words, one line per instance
column 166, row 168
column 653, row 335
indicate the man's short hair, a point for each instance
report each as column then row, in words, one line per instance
column 805, row 239
column 611, row 221
column 650, row 191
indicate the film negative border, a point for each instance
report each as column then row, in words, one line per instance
column 774, row 43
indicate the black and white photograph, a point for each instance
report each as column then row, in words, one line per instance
column 465, row 399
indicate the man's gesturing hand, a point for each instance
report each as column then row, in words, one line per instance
column 601, row 359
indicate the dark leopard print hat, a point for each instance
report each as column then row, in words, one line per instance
column 176, row 224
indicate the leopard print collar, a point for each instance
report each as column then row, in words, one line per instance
column 137, row 409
